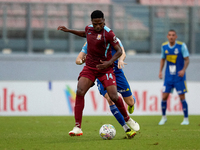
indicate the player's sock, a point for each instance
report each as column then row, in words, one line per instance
column 78, row 110
column 164, row 107
column 120, row 105
column 126, row 128
column 115, row 111
column 185, row 108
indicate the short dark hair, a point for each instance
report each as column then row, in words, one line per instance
column 97, row 14
column 172, row 30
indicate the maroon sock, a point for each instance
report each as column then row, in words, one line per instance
column 122, row 109
column 78, row 110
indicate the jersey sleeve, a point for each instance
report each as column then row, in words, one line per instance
column 162, row 53
column 120, row 43
column 112, row 38
column 84, row 48
column 184, row 50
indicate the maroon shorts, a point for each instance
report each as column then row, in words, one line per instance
column 106, row 77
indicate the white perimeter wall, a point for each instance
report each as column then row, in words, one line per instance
column 28, row 98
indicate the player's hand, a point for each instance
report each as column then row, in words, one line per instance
column 103, row 65
column 121, row 64
column 63, row 28
column 181, row 73
column 160, row 75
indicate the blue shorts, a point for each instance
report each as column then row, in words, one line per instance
column 122, row 85
column 180, row 87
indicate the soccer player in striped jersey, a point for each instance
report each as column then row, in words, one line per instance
column 176, row 55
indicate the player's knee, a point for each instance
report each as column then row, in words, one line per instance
column 114, row 98
column 80, row 92
column 165, row 96
column 131, row 102
column 182, row 97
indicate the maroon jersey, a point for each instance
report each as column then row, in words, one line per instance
column 99, row 45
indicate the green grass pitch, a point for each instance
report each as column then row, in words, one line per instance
column 51, row 133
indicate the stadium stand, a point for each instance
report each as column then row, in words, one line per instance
column 125, row 1
column 57, row 14
column 131, row 18
column 60, row 1
column 47, row 15
column 171, row 2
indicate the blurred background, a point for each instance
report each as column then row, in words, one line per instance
column 31, row 48
column 38, row 74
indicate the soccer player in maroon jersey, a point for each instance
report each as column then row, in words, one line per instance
column 99, row 64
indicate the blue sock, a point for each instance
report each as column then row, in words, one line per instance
column 164, row 107
column 115, row 111
column 185, row 108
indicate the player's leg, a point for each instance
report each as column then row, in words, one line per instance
column 109, row 82
column 182, row 89
column 129, row 100
column 185, row 109
column 113, row 108
column 132, row 123
column 166, row 90
column 120, row 105
column 164, row 108
column 124, row 89
column 83, row 85
column 119, row 116
column 86, row 80
column 116, row 113
column 116, row 109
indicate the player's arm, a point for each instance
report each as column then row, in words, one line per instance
column 186, row 63
column 106, row 64
column 121, row 62
column 162, row 63
column 114, row 42
column 82, row 55
column 185, row 54
column 81, row 58
column 76, row 32
column 117, row 54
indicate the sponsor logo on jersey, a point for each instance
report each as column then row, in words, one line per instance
column 114, row 39
column 172, row 69
column 99, row 37
column 176, row 51
column 171, row 58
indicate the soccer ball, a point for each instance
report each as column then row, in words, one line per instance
column 107, row 132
